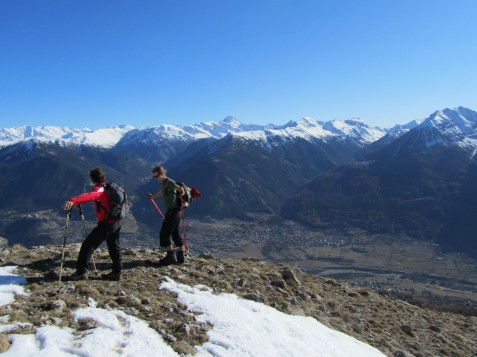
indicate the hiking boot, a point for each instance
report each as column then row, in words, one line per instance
column 169, row 259
column 180, row 257
column 79, row 276
column 113, row 275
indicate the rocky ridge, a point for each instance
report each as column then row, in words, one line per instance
column 395, row 327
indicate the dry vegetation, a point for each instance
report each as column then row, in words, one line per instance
column 393, row 326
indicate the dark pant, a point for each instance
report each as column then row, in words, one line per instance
column 170, row 228
column 102, row 232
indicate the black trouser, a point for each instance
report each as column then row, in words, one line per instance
column 102, row 232
column 170, row 228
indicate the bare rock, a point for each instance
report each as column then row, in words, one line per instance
column 185, row 329
column 407, row 330
column 290, row 277
column 57, row 305
column 279, row 283
column 253, row 297
column 241, row 283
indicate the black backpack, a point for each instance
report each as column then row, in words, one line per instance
column 118, row 201
column 189, row 196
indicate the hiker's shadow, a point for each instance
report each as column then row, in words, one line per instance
column 46, row 265
column 12, row 280
column 146, row 263
column 50, row 267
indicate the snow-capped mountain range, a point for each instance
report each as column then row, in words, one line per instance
column 413, row 176
column 107, row 137
column 306, row 128
column 458, row 125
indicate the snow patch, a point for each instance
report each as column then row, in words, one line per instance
column 239, row 328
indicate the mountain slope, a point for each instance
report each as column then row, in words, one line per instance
column 356, row 311
column 239, row 175
column 411, row 180
column 419, row 184
column 38, row 177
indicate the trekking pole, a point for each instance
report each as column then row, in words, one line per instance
column 157, row 208
column 184, row 227
column 86, row 235
column 68, row 216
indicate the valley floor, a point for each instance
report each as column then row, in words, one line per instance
column 417, row 271
column 413, row 270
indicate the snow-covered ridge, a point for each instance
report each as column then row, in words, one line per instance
column 457, row 124
column 306, row 128
column 457, row 121
column 165, row 132
column 354, row 128
column 107, row 137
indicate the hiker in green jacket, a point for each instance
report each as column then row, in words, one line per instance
column 170, row 234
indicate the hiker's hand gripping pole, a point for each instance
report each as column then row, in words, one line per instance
column 155, row 205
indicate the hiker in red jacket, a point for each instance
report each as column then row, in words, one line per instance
column 106, row 230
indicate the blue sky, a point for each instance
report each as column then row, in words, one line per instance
column 94, row 63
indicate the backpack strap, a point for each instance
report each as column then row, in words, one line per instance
column 100, row 206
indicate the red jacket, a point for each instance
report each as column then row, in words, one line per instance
column 97, row 194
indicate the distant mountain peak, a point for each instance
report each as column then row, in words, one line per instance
column 456, row 126
column 231, row 121
column 354, row 128
column 356, row 120
column 453, row 122
column 307, row 122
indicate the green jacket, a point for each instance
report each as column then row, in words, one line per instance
column 169, row 194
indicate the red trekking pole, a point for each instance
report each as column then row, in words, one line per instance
column 184, row 225
column 157, row 207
